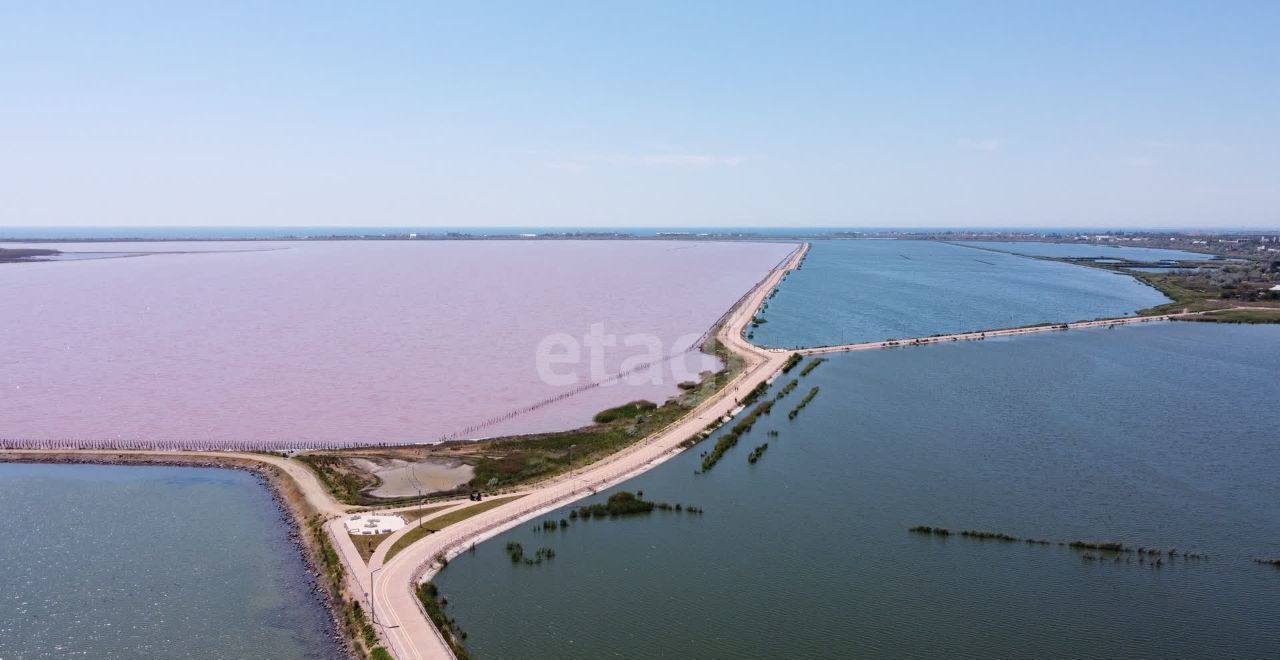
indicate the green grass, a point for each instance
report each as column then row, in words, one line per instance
column 436, row 524
column 510, row 461
column 367, row 544
column 521, row 459
column 625, row 411
column 1237, row 316
column 414, row 514
column 343, row 486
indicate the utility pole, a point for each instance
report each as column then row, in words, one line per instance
column 373, row 613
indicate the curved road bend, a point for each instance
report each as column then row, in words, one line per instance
column 410, row 634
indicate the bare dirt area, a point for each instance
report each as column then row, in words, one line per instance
column 400, row 477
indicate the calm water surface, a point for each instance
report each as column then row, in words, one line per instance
column 1155, row 435
column 871, row 290
column 1084, row 250
column 150, row 562
column 345, row 340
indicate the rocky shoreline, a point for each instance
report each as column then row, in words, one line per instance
column 292, row 512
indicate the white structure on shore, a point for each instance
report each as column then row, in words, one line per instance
column 364, row 524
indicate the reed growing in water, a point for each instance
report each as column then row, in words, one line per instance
column 730, row 439
column 434, row 604
column 813, row 364
column 786, row 389
column 993, row 536
column 803, row 402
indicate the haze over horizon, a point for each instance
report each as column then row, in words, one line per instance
column 662, row 115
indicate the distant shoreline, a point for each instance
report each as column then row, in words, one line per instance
column 1251, row 243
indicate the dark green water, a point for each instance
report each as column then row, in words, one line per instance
column 104, row 561
column 1158, row 435
column 871, row 290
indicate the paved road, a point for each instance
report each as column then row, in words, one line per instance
column 411, row 636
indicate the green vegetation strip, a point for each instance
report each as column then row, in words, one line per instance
column 437, row 524
column 625, row 411
column 792, row 362
column 787, row 389
column 343, row 486
column 522, row 459
column 501, row 463
column 803, row 402
column 757, row 453
column 1237, row 316
column 813, row 364
column 414, row 514
column 730, row 438
column 1112, row 547
column 622, row 503
column 434, row 605
column 367, row 544
column 516, row 552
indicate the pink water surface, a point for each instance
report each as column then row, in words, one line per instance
column 377, row 341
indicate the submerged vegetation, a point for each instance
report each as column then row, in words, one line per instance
column 803, row 402
column 1105, row 549
column 813, row 364
column 516, row 552
column 624, row 503
column 730, row 438
column 786, row 389
column 992, row 536
column 757, row 453
column 434, row 604
column 754, row 394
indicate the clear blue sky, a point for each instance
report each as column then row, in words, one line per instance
column 1108, row 114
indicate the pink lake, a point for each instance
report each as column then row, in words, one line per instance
column 347, row 341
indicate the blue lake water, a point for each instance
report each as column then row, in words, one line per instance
column 150, row 562
column 1085, row 250
column 1159, row 435
column 871, row 290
